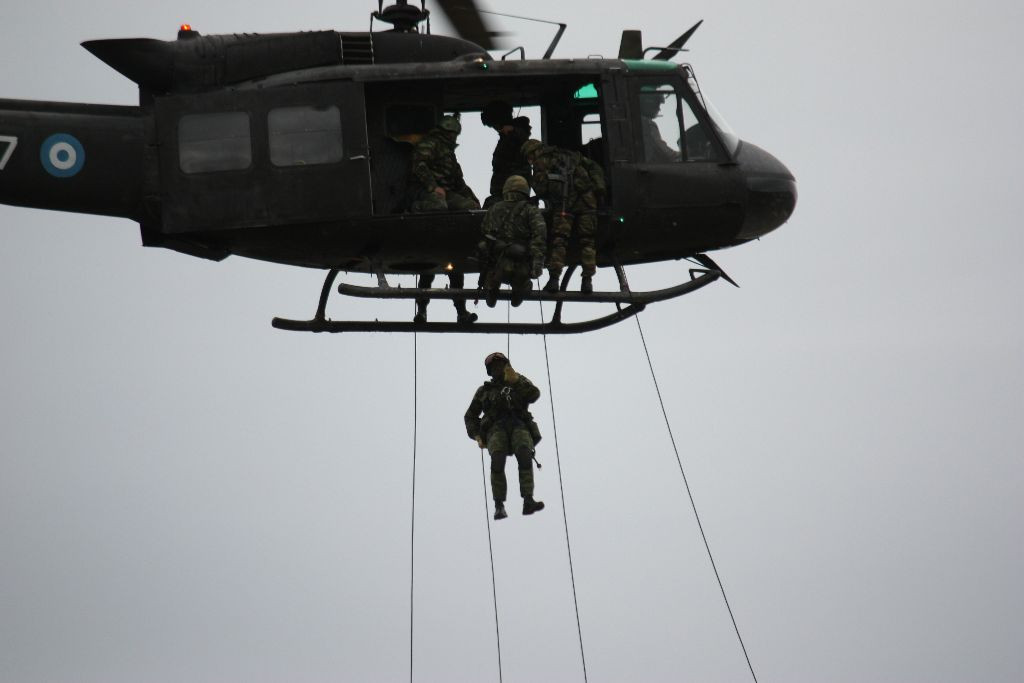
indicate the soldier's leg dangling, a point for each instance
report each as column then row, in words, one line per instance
column 423, row 282
column 498, row 447
column 522, row 442
column 561, row 228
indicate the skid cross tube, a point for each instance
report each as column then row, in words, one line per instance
column 627, row 304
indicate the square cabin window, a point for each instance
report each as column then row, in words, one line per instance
column 214, row 142
column 304, row 136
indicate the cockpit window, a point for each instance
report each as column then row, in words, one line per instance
column 669, row 129
column 724, row 130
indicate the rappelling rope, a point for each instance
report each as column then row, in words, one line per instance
column 412, row 542
column 490, row 549
column 561, row 488
column 689, row 493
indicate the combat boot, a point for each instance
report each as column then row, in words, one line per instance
column 530, row 506
column 465, row 317
column 421, row 313
column 587, row 285
column 552, row 284
column 499, row 510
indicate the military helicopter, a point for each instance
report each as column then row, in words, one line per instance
column 294, row 148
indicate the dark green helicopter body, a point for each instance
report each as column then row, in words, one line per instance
column 294, row 148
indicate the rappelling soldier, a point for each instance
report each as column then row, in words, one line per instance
column 570, row 184
column 438, row 185
column 506, row 160
column 507, row 428
column 513, row 242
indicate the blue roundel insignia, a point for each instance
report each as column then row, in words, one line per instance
column 62, row 155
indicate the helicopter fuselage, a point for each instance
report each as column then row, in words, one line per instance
column 311, row 167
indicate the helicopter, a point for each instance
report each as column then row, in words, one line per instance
column 295, row 148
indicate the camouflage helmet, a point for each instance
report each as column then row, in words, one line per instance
column 450, row 124
column 496, row 356
column 516, row 183
column 529, row 147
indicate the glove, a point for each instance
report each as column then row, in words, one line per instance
column 511, row 376
column 480, row 442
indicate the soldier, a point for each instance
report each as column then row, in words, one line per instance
column 438, row 185
column 570, row 184
column 656, row 150
column 506, row 160
column 507, row 428
column 437, row 179
column 513, row 244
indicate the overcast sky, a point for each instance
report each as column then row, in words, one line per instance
column 187, row 494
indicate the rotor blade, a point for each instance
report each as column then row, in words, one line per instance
column 468, row 23
column 678, row 43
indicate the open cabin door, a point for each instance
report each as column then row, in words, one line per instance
column 254, row 158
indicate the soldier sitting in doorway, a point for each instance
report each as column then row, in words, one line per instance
column 570, row 184
column 438, row 185
column 513, row 244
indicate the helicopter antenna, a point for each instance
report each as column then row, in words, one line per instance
column 554, row 41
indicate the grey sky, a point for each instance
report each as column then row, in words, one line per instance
column 187, row 494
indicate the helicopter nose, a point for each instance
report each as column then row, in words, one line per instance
column 771, row 191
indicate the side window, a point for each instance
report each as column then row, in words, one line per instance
column 214, row 142
column 670, row 130
column 303, row 136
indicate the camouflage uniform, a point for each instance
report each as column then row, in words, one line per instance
column 513, row 244
column 434, row 165
column 507, row 428
column 567, row 183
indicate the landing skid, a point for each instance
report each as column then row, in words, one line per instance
column 627, row 304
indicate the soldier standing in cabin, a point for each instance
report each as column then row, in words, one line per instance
column 506, row 160
column 507, row 428
column 570, row 184
column 438, row 185
column 513, row 244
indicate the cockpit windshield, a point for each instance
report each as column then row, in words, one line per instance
column 724, row 130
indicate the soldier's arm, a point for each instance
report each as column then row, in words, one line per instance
column 487, row 232
column 540, row 179
column 472, row 416
column 525, row 391
column 421, row 158
column 538, row 237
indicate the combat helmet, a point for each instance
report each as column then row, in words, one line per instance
column 529, row 147
column 496, row 113
column 516, row 183
column 451, row 124
column 496, row 356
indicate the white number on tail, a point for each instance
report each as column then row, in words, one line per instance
column 10, row 142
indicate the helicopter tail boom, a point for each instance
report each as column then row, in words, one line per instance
column 72, row 157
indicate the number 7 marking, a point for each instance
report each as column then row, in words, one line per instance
column 12, row 142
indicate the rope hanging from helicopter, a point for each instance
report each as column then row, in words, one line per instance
column 689, row 494
column 412, row 541
column 561, row 490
